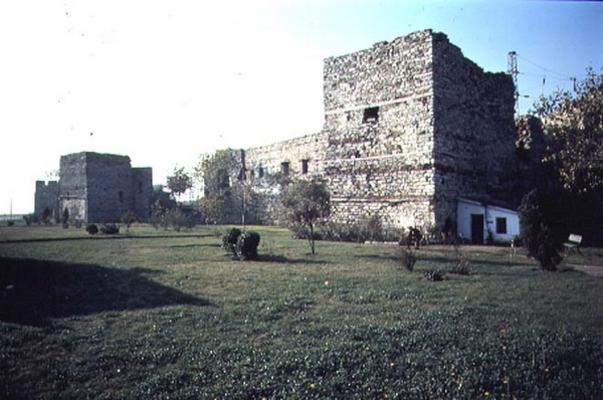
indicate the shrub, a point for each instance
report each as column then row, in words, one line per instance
column 302, row 232
column 229, row 240
column 65, row 218
column 339, row 232
column 109, row 229
column 408, row 259
column 176, row 218
column 92, row 229
column 10, row 223
column 537, row 233
column 28, row 218
column 128, row 219
column 413, row 238
column 247, row 246
column 462, row 265
column 434, row 275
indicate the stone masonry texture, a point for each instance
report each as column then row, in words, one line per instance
column 97, row 187
column 410, row 126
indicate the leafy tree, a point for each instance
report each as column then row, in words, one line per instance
column 570, row 166
column 306, row 203
column 226, row 187
column 212, row 207
column 179, row 182
column 128, row 219
column 573, row 126
column 538, row 230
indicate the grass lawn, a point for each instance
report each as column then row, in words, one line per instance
column 161, row 314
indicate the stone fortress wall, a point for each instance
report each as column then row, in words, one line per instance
column 46, row 197
column 97, row 187
column 410, row 126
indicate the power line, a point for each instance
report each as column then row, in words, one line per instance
column 544, row 68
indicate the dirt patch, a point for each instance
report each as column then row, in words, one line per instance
column 591, row 270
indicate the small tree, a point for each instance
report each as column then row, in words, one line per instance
column 537, row 231
column 65, row 218
column 306, row 203
column 128, row 219
column 179, row 182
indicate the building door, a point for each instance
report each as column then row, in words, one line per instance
column 477, row 228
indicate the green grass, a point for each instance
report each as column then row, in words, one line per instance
column 158, row 314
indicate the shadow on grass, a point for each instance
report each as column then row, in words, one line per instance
column 33, row 291
column 284, row 260
column 184, row 246
column 107, row 237
column 443, row 260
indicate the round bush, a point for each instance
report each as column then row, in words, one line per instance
column 247, row 246
column 110, row 229
column 92, row 229
column 229, row 240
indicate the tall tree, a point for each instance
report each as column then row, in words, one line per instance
column 179, row 182
column 307, row 202
column 573, row 127
column 570, row 163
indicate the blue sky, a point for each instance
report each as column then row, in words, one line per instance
column 164, row 81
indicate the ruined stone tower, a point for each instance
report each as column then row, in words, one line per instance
column 97, row 187
column 410, row 126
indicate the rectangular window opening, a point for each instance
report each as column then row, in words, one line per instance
column 304, row 165
column 371, row 115
column 121, row 196
column 501, row 225
column 285, row 168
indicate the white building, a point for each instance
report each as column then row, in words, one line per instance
column 476, row 221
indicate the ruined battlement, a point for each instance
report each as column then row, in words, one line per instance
column 98, row 187
column 409, row 126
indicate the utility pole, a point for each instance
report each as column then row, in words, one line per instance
column 11, row 208
column 512, row 70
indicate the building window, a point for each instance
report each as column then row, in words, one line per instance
column 371, row 115
column 501, row 225
column 304, row 166
column 121, row 196
column 285, row 168
column 139, row 187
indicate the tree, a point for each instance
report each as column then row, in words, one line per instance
column 179, row 182
column 227, row 188
column 538, row 230
column 307, row 202
column 571, row 162
column 573, row 127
